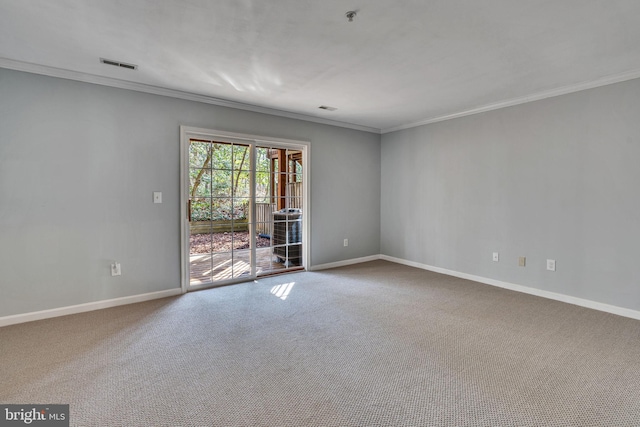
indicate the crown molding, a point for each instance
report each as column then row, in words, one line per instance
column 172, row 93
column 564, row 90
column 156, row 90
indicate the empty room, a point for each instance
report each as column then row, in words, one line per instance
column 319, row 213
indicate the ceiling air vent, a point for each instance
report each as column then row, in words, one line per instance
column 326, row 107
column 118, row 64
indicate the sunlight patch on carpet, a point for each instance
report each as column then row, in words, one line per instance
column 283, row 290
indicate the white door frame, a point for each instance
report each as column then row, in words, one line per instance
column 186, row 134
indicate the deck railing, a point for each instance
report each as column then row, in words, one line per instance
column 264, row 218
column 294, row 195
column 264, row 211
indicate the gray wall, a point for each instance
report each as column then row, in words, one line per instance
column 554, row 179
column 79, row 163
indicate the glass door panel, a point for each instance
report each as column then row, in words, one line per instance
column 278, row 209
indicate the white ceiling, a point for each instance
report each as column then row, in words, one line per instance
column 398, row 64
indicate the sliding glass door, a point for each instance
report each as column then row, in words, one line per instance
column 244, row 214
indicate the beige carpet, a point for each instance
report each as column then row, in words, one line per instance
column 375, row 344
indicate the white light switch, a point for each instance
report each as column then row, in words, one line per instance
column 551, row 264
column 157, row 197
column 116, row 270
column 496, row 256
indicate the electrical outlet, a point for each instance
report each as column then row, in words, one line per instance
column 115, row 269
column 496, row 256
column 551, row 264
column 522, row 261
column 346, row 242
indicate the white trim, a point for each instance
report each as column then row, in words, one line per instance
column 184, row 223
column 620, row 311
column 172, row 93
column 188, row 132
column 225, row 136
column 90, row 306
column 306, row 204
column 564, row 90
column 97, row 305
column 345, row 262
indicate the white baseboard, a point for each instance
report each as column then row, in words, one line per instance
column 344, row 263
column 81, row 308
column 620, row 311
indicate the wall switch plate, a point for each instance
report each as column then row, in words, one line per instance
column 157, row 197
column 522, row 261
column 115, row 269
column 551, row 264
column 346, row 242
column 496, row 256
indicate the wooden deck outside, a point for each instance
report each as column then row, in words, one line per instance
column 211, row 268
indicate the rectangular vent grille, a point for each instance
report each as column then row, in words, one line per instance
column 118, row 64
